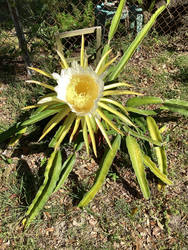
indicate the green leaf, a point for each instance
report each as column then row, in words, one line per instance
column 55, row 137
column 134, row 45
column 154, row 169
column 140, row 111
column 141, row 136
column 41, row 115
column 66, row 170
column 178, row 106
column 105, row 49
column 51, row 177
column 138, row 165
column 18, row 135
column 160, row 151
column 143, row 100
column 104, row 168
column 116, row 20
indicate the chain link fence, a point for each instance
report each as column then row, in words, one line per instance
column 41, row 20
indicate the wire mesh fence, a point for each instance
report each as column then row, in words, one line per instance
column 42, row 20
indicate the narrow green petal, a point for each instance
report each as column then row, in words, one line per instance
column 63, row 60
column 121, row 116
column 47, row 104
column 93, row 123
column 41, row 72
column 101, row 61
column 65, row 129
column 103, row 68
column 120, row 92
column 85, row 60
column 49, row 99
column 41, row 84
column 85, row 135
column 102, row 115
column 118, row 84
column 91, row 133
column 103, row 131
column 31, row 107
column 76, row 126
column 115, row 103
column 82, row 52
column 54, row 121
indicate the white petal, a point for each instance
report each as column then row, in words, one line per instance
column 56, row 76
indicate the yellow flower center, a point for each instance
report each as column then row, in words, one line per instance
column 82, row 92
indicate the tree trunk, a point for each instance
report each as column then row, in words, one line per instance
column 19, row 32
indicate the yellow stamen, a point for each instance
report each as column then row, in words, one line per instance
column 82, row 92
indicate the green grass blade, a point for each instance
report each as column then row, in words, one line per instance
column 134, row 45
column 105, row 165
column 52, row 173
column 143, row 100
column 154, row 169
column 138, row 165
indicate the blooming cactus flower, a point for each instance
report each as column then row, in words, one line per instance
column 80, row 88
column 83, row 95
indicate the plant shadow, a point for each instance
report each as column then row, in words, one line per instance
column 27, row 182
